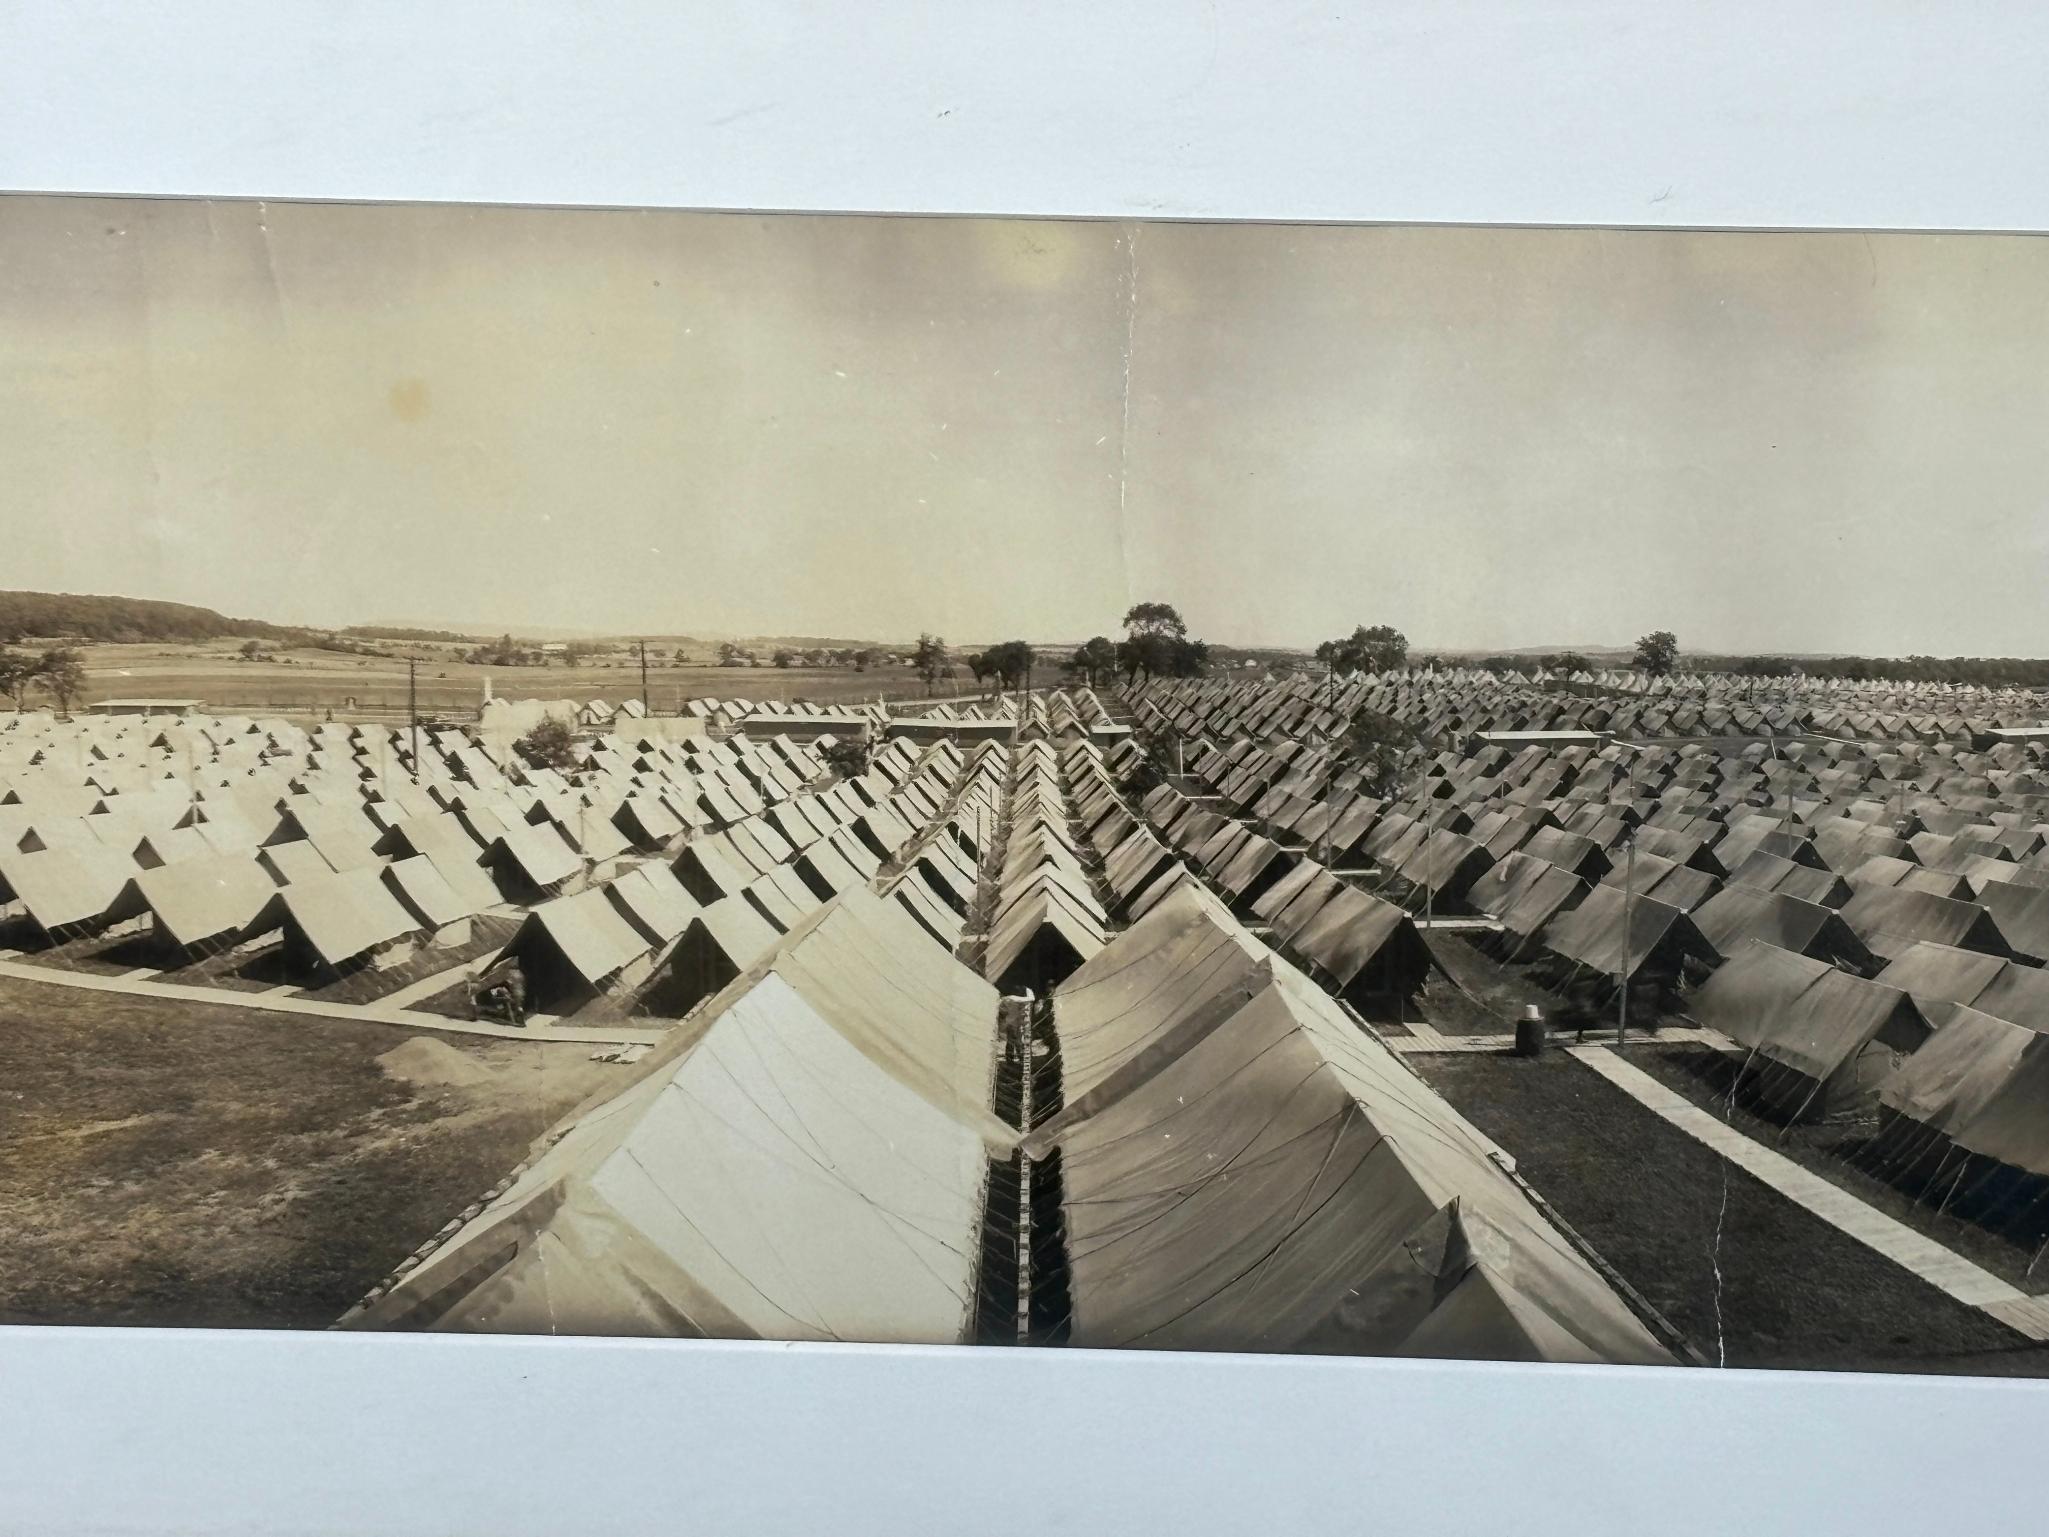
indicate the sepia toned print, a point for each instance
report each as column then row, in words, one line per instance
column 612, row 772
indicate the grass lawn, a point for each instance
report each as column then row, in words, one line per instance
column 178, row 1164
column 1721, row 1255
column 1839, row 1151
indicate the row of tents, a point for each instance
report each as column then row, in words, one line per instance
column 1047, row 918
column 1450, row 706
column 1236, row 1165
column 669, row 933
column 207, row 834
column 1832, row 909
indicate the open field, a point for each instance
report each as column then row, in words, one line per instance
column 1836, row 1150
column 177, row 1164
column 309, row 681
column 1734, row 1265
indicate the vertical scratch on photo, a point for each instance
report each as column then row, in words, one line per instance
column 1715, row 1246
column 277, row 291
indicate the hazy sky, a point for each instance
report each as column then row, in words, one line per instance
column 707, row 423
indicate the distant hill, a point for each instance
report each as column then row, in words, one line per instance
column 83, row 616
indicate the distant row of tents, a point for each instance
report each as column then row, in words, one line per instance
column 1832, row 910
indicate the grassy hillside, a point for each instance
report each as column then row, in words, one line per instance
column 82, row 616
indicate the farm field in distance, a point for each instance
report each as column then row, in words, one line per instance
column 304, row 681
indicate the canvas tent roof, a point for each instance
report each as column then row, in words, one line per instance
column 1890, row 918
column 1130, row 996
column 769, row 1184
column 587, row 930
column 1659, row 940
column 1363, row 944
column 1737, row 914
column 210, row 898
column 1283, row 1184
column 1983, row 1083
column 290, row 863
column 427, row 893
column 1939, row 977
column 1803, row 1015
column 341, row 917
column 813, row 1166
column 941, row 922
column 59, row 888
column 537, row 853
column 1041, row 922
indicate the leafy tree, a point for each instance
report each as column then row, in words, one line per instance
column 1158, row 655
column 1012, row 663
column 1156, row 645
column 731, row 654
column 1568, row 662
column 551, row 744
column 783, row 656
column 252, row 649
column 1095, row 661
column 1190, row 659
column 865, row 658
column 1160, row 743
column 931, row 660
column 18, row 674
column 1762, row 666
column 62, row 672
column 978, row 664
column 848, row 756
column 1387, row 750
column 1153, row 619
column 1381, row 648
column 1658, row 653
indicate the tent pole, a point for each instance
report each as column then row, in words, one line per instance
column 1628, row 908
column 413, row 709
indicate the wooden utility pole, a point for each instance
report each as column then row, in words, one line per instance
column 1429, row 891
column 413, row 708
column 1628, row 910
column 644, row 705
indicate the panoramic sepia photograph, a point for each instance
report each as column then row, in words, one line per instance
column 1447, row 792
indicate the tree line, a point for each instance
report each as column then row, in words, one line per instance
column 1979, row 671
column 58, row 672
column 78, row 616
column 1383, row 648
column 1156, row 644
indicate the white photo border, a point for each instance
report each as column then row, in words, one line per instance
column 1833, row 113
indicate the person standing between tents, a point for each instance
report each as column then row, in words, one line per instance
column 515, row 994
column 500, row 991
